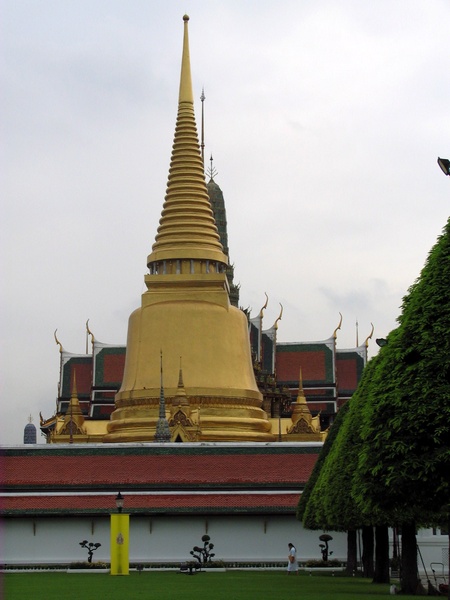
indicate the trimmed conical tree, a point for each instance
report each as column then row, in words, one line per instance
column 402, row 474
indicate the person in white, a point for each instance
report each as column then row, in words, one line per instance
column 292, row 560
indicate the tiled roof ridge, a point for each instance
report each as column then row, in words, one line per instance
column 161, row 450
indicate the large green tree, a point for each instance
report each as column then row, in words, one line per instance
column 311, row 507
column 330, row 502
column 391, row 458
column 404, row 464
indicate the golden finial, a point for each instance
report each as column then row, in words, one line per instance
column 186, row 94
column 265, row 305
column 275, row 325
column 369, row 337
column 57, row 341
column 338, row 327
column 89, row 333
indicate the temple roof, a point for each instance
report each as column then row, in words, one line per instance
column 315, row 358
column 212, row 503
column 185, row 477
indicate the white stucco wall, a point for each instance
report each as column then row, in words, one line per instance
column 171, row 538
column 162, row 538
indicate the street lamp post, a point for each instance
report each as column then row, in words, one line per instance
column 444, row 163
column 119, row 502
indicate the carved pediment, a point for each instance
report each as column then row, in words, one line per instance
column 71, row 428
column 180, row 418
column 301, row 426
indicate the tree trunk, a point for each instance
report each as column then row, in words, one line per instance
column 352, row 561
column 367, row 553
column 381, row 574
column 410, row 580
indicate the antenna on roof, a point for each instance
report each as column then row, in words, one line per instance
column 212, row 172
column 202, row 145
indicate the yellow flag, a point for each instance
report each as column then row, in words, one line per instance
column 120, row 543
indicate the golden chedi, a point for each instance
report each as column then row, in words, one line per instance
column 186, row 312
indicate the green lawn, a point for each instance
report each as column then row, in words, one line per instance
column 231, row 585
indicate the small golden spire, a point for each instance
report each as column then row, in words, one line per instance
column 73, row 419
column 74, row 385
column 181, row 396
column 301, row 393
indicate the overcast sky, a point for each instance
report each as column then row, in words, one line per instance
column 325, row 119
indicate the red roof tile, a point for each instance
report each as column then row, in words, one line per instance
column 157, row 471
column 155, row 478
column 136, row 503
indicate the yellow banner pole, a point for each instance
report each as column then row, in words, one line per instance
column 120, row 543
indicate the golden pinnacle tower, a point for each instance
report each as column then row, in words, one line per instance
column 186, row 312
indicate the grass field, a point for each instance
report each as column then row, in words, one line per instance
column 231, row 585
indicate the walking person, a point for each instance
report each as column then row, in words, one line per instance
column 292, row 560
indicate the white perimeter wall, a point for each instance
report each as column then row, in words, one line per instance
column 167, row 539
column 162, row 538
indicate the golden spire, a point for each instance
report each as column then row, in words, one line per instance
column 301, row 393
column 187, row 230
column 162, row 426
column 186, row 94
column 73, row 419
column 74, row 404
column 303, row 423
column 186, row 311
column 181, row 396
